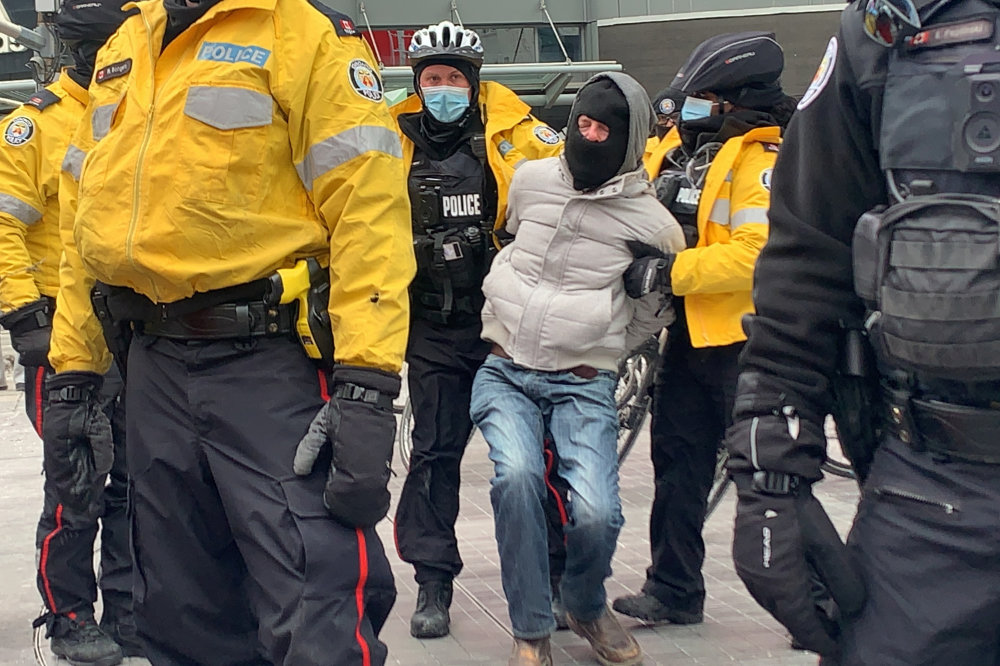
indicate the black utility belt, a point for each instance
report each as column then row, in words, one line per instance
column 199, row 318
column 958, row 431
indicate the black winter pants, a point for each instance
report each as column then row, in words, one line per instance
column 692, row 407
column 442, row 362
column 64, row 539
column 927, row 540
column 236, row 558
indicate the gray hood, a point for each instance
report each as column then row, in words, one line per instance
column 641, row 118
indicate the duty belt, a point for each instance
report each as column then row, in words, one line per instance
column 199, row 318
column 957, row 431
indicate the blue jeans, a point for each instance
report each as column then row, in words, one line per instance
column 514, row 407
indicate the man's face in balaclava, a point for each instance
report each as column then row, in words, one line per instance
column 597, row 135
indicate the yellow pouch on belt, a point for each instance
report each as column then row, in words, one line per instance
column 307, row 285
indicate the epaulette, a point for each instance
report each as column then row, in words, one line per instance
column 43, row 99
column 342, row 23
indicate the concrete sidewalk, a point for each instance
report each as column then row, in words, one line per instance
column 735, row 630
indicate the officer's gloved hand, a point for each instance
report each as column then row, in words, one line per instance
column 76, row 436
column 358, row 422
column 786, row 550
column 649, row 270
column 30, row 328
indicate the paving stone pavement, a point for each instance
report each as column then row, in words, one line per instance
column 735, row 631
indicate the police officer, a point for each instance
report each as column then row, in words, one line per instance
column 717, row 185
column 35, row 140
column 231, row 148
column 462, row 139
column 901, row 114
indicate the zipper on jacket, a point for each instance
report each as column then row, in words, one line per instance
column 147, row 134
column 889, row 491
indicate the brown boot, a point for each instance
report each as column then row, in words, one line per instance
column 612, row 643
column 531, row 652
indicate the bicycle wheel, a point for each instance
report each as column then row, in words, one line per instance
column 836, row 462
column 720, row 482
column 635, row 375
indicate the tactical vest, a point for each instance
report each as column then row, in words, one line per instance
column 678, row 194
column 928, row 266
column 452, row 218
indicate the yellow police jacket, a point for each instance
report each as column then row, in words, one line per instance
column 657, row 149
column 259, row 136
column 513, row 136
column 34, row 141
column 716, row 276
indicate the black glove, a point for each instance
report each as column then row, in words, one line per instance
column 76, row 436
column 649, row 270
column 30, row 328
column 358, row 422
column 786, row 550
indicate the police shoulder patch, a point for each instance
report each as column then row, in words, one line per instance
column 19, row 131
column 822, row 76
column 365, row 80
column 342, row 23
column 546, row 134
column 43, row 99
column 666, row 107
column 113, row 71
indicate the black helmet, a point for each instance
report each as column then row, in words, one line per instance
column 90, row 20
column 743, row 68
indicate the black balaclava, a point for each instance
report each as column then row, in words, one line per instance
column 84, row 54
column 180, row 17
column 438, row 139
column 594, row 163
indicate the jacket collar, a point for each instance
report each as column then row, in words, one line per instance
column 628, row 183
column 500, row 108
column 72, row 88
column 155, row 7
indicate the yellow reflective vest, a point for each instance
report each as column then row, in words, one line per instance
column 657, row 149
column 716, row 276
column 257, row 137
column 33, row 143
column 513, row 136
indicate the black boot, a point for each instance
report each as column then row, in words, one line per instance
column 118, row 622
column 431, row 619
column 81, row 642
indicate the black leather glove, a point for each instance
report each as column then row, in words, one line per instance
column 76, row 436
column 649, row 270
column 786, row 550
column 359, row 424
column 30, row 328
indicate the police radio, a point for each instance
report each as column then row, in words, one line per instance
column 977, row 130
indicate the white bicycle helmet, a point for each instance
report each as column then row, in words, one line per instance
column 446, row 40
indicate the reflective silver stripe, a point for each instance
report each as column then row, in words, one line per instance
column 18, row 209
column 100, row 121
column 748, row 216
column 520, row 163
column 720, row 212
column 729, row 176
column 505, row 147
column 341, row 148
column 73, row 162
column 227, row 108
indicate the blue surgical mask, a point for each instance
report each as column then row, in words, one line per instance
column 446, row 103
column 695, row 108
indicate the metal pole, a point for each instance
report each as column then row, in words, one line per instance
column 555, row 32
column 371, row 33
column 26, row 36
